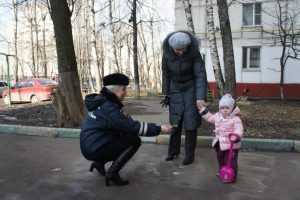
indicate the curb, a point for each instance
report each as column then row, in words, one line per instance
column 278, row 145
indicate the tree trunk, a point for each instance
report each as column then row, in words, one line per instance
column 113, row 30
column 16, row 10
column 95, row 57
column 282, row 57
column 128, row 44
column 102, row 55
column 228, row 55
column 33, row 68
column 144, row 44
column 213, row 48
column 44, row 47
column 88, row 58
column 154, row 80
column 135, row 52
column 282, row 21
column 36, row 40
column 70, row 99
column 189, row 16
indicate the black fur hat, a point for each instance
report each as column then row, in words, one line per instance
column 115, row 79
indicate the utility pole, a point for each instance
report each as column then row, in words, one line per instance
column 8, row 76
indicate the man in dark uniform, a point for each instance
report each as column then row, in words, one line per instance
column 184, row 88
column 110, row 134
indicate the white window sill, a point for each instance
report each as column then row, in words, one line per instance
column 251, row 70
column 252, row 27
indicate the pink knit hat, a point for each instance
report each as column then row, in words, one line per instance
column 228, row 101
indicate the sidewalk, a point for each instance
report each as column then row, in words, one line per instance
column 151, row 111
column 52, row 167
column 44, row 168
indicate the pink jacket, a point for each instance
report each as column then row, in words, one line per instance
column 224, row 126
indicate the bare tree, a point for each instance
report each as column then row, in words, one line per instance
column 129, row 50
column 44, row 57
column 135, row 49
column 213, row 48
column 16, row 12
column 36, row 30
column 114, row 31
column 285, row 15
column 33, row 68
column 141, row 34
column 94, row 49
column 189, row 16
column 69, row 99
column 102, row 56
column 154, row 66
column 88, row 52
column 228, row 55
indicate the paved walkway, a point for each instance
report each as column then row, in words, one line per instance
column 151, row 111
column 52, row 168
column 43, row 168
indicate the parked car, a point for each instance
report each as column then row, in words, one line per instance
column 32, row 90
column 3, row 86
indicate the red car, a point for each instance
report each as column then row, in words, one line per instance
column 31, row 90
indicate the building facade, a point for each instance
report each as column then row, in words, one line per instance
column 257, row 50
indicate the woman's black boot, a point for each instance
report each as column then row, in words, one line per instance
column 112, row 174
column 190, row 146
column 99, row 167
column 174, row 145
column 171, row 157
column 116, row 179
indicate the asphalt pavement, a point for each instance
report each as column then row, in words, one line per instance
column 51, row 167
column 44, row 168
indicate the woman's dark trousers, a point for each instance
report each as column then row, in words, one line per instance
column 118, row 151
column 190, row 143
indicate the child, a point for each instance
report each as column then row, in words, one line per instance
column 226, row 121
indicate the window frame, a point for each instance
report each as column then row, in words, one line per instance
column 246, row 66
column 254, row 14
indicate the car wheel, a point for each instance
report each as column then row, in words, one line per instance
column 6, row 100
column 35, row 99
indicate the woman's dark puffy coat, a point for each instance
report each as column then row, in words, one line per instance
column 105, row 122
column 184, row 80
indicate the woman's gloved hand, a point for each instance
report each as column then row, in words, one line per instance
column 165, row 102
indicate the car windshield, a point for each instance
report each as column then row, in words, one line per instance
column 2, row 84
column 19, row 85
column 45, row 81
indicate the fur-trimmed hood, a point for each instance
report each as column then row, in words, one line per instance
column 193, row 49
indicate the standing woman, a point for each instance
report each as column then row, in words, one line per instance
column 184, row 88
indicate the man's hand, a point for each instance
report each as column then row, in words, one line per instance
column 200, row 104
column 165, row 102
column 166, row 129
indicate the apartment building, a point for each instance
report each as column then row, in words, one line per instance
column 256, row 51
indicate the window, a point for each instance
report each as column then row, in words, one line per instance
column 29, row 84
column 251, row 57
column 251, row 14
column 44, row 81
column 19, row 85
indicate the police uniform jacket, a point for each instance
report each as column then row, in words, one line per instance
column 105, row 122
